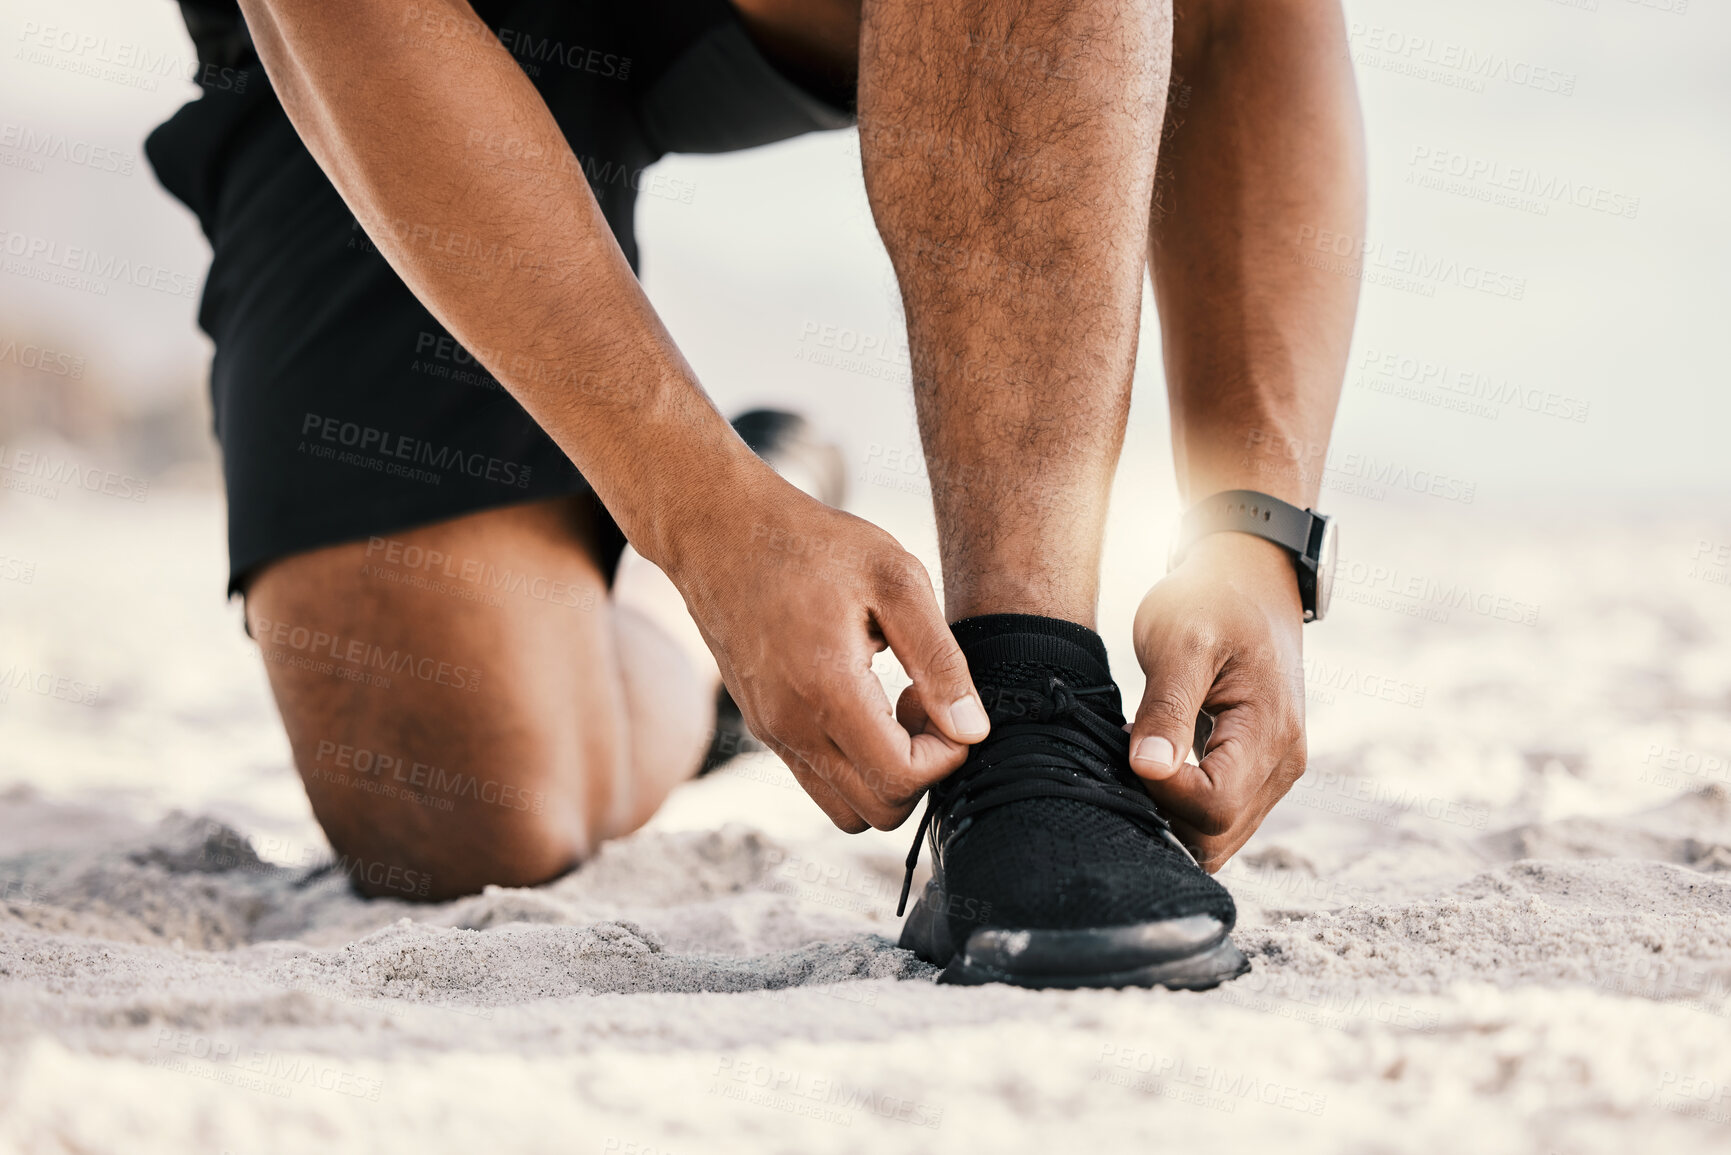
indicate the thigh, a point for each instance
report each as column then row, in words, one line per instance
column 451, row 694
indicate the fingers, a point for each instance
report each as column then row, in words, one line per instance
column 837, row 734
column 828, row 799
column 1209, row 798
column 878, row 785
column 877, row 765
column 911, row 712
column 829, row 718
column 910, row 620
column 1166, row 721
column 1246, row 754
column 1213, row 851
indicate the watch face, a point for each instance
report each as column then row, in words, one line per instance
column 1325, row 569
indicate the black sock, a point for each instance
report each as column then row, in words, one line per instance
column 1008, row 653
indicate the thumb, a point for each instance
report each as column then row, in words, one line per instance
column 921, row 640
column 1166, row 721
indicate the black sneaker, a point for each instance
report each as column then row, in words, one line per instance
column 731, row 737
column 1051, row 865
column 792, row 447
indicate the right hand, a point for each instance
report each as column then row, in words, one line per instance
column 794, row 599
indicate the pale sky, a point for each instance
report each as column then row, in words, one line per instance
column 1623, row 104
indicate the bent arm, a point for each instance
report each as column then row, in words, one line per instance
column 449, row 158
column 1264, row 154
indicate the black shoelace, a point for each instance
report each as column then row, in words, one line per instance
column 1068, row 751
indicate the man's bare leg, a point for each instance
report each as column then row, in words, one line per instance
column 1014, row 192
column 1009, row 155
column 1265, row 151
column 447, row 743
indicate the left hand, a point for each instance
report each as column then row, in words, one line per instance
column 1221, row 633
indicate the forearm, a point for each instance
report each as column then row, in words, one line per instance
column 1266, row 150
column 451, row 161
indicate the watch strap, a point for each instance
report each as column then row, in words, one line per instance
column 1247, row 511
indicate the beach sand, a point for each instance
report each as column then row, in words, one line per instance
column 1494, row 917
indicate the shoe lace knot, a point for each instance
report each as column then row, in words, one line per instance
column 1050, row 743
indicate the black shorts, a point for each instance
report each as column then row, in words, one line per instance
column 344, row 410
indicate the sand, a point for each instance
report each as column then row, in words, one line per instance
column 1494, row 919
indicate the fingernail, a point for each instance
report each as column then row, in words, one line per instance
column 969, row 718
column 1153, row 758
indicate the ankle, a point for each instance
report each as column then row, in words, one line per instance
column 1001, row 596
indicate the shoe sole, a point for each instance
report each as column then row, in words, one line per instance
column 1201, row 972
column 1190, row 954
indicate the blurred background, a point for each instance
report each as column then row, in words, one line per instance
column 1541, row 331
column 1517, row 813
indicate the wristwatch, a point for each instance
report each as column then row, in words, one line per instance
column 1307, row 535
